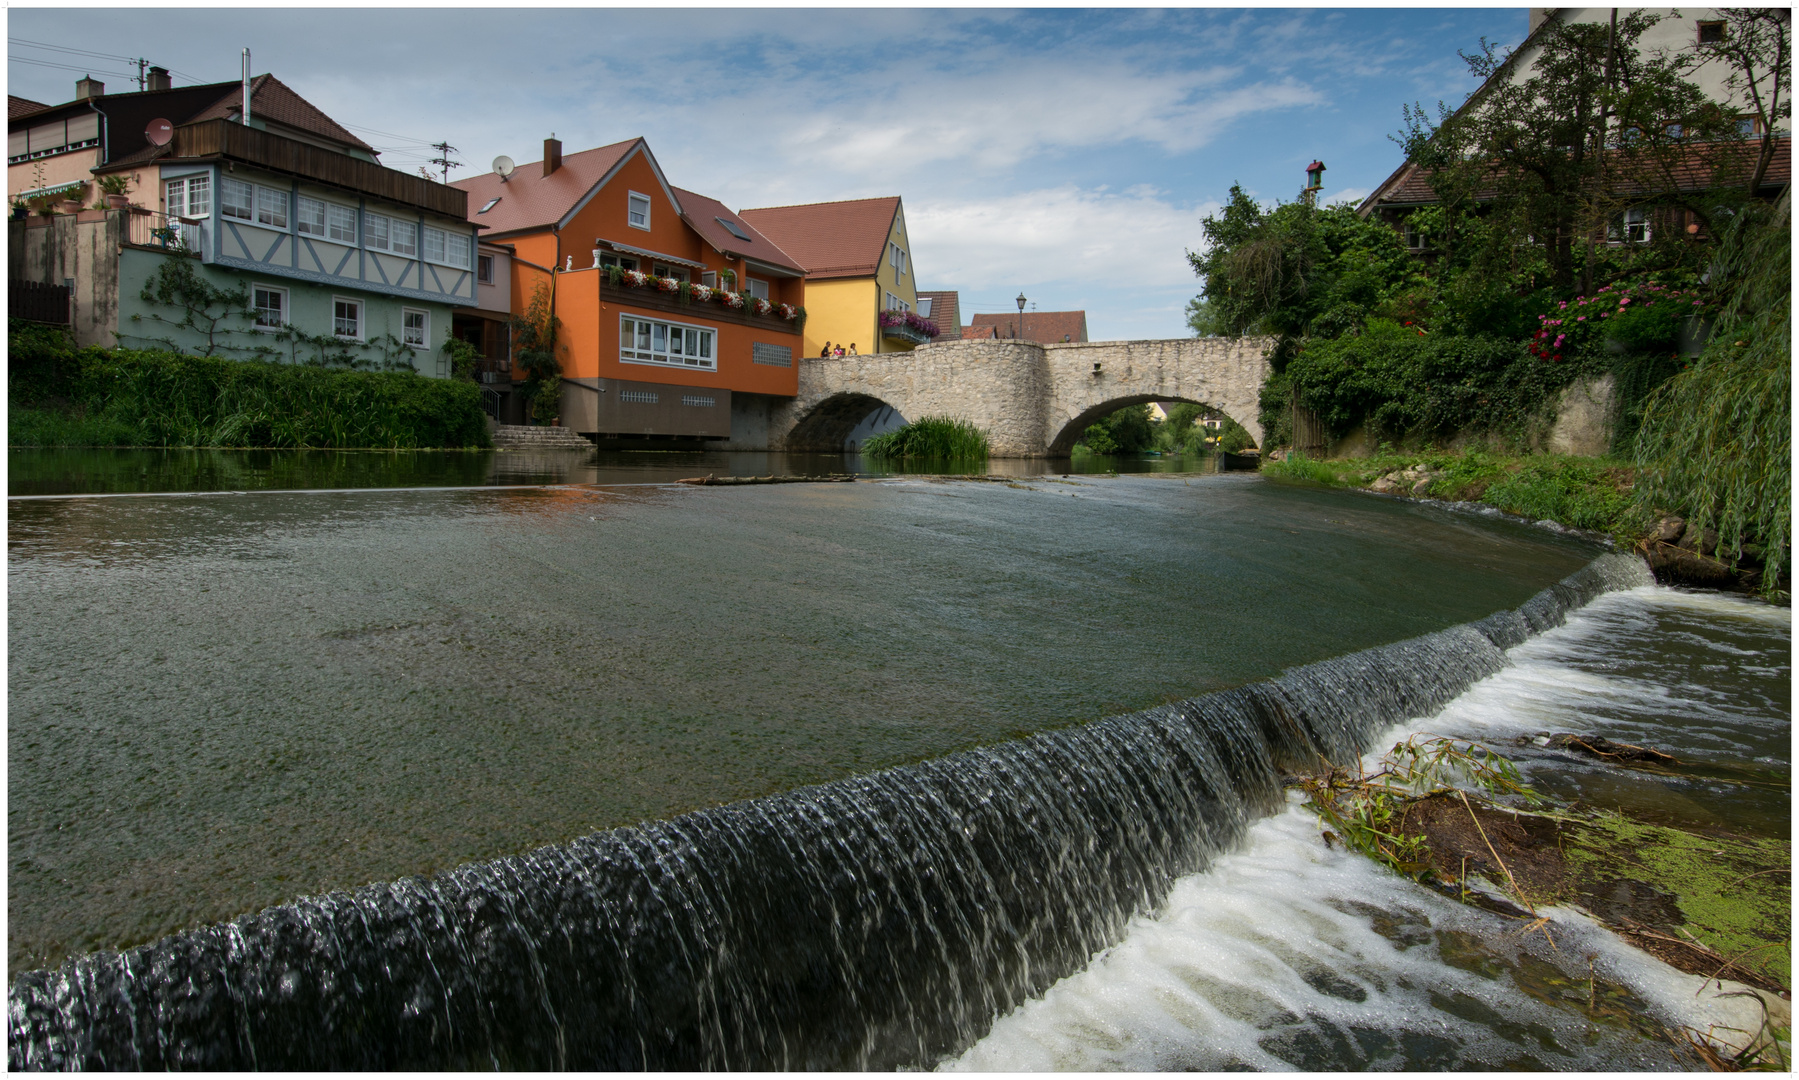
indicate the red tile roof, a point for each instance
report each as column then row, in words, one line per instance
column 946, row 311
column 1039, row 326
column 1410, row 185
column 831, row 240
column 17, row 106
column 531, row 200
column 702, row 214
column 979, row 333
column 272, row 99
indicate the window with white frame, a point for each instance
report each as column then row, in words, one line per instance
column 271, row 207
column 190, row 196
column 758, row 288
column 415, row 327
column 383, row 233
column 675, row 272
column 309, row 216
column 639, row 211
column 924, row 306
column 271, row 306
column 340, row 223
column 621, row 261
column 653, row 341
column 1636, row 225
column 237, row 199
column 346, row 318
column 457, row 249
column 434, row 245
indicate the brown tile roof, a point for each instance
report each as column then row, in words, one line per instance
column 272, row 99
column 978, row 333
column 1040, row 326
column 1410, row 185
column 17, row 106
column 946, row 311
column 831, row 240
column 531, row 200
column 702, row 214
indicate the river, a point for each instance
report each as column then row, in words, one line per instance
column 263, row 677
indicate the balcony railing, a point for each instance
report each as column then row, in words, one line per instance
column 907, row 326
column 152, row 228
column 229, row 139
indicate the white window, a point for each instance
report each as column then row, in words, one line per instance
column 639, row 215
column 1414, row 239
column 456, row 250
column 671, row 272
column 415, row 327
column 896, row 257
column 190, row 196
column 652, row 341
column 271, row 207
column 1633, row 227
column 340, row 223
column 309, row 216
column 924, row 306
column 620, row 261
column 271, row 306
column 402, row 237
column 237, row 199
column 374, row 231
column 434, row 244
column 346, row 318
column 484, row 269
column 759, row 288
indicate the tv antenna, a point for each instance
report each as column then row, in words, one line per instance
column 504, row 166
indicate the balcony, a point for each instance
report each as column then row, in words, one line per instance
column 233, row 141
column 152, row 229
column 907, row 326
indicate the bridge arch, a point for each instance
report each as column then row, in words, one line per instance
column 833, row 423
column 1062, row 443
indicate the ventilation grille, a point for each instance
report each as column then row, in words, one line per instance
column 698, row 402
column 639, row 397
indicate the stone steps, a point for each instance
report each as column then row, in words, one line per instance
column 526, row 437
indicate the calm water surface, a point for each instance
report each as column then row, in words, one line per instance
column 222, row 702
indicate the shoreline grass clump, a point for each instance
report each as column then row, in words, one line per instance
column 931, row 438
column 61, row 395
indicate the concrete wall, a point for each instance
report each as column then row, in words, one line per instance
column 1032, row 400
column 81, row 248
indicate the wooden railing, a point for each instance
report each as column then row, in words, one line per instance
column 229, row 139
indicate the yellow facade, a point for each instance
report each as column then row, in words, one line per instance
column 846, row 311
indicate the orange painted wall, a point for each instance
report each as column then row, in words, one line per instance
column 590, row 331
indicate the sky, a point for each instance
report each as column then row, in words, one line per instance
column 1068, row 155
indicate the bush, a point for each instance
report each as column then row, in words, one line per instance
column 1571, row 491
column 1127, row 431
column 932, row 438
column 61, row 395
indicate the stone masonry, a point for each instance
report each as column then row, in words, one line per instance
column 1032, row 400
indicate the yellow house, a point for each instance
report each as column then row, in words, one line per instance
column 858, row 264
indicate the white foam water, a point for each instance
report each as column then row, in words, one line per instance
column 1289, row 954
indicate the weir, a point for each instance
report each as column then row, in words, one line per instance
column 880, row 921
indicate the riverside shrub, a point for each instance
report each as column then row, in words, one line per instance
column 62, row 395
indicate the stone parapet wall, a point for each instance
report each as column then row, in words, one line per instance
column 1092, row 379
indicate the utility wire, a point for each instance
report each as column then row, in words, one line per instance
column 70, row 67
column 66, row 49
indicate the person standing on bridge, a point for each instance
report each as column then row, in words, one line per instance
column 826, row 351
column 852, row 348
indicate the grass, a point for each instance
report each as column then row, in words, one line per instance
column 931, row 438
column 1584, row 493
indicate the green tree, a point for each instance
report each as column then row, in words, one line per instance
column 534, row 347
column 1126, row 431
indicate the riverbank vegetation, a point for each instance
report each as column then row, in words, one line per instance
column 1535, row 269
column 930, row 438
column 60, row 395
column 1135, row 430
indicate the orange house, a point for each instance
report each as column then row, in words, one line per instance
column 674, row 312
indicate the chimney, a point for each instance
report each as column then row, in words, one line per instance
column 552, row 154
column 159, row 79
column 88, row 87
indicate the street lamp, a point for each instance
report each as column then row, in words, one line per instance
column 1020, row 331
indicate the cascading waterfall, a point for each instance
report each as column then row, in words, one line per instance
column 875, row 922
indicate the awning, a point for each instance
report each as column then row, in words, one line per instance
column 648, row 254
column 38, row 193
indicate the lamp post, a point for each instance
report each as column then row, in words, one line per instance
column 1019, row 333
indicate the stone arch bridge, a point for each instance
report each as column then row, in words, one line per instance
column 1032, row 400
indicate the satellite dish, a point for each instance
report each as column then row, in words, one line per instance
column 159, row 132
column 504, row 166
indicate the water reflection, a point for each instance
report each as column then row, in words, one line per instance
column 101, row 470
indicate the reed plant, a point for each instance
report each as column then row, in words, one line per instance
column 62, row 396
column 932, row 438
column 1716, row 442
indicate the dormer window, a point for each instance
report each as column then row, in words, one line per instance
column 638, row 212
column 491, row 203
